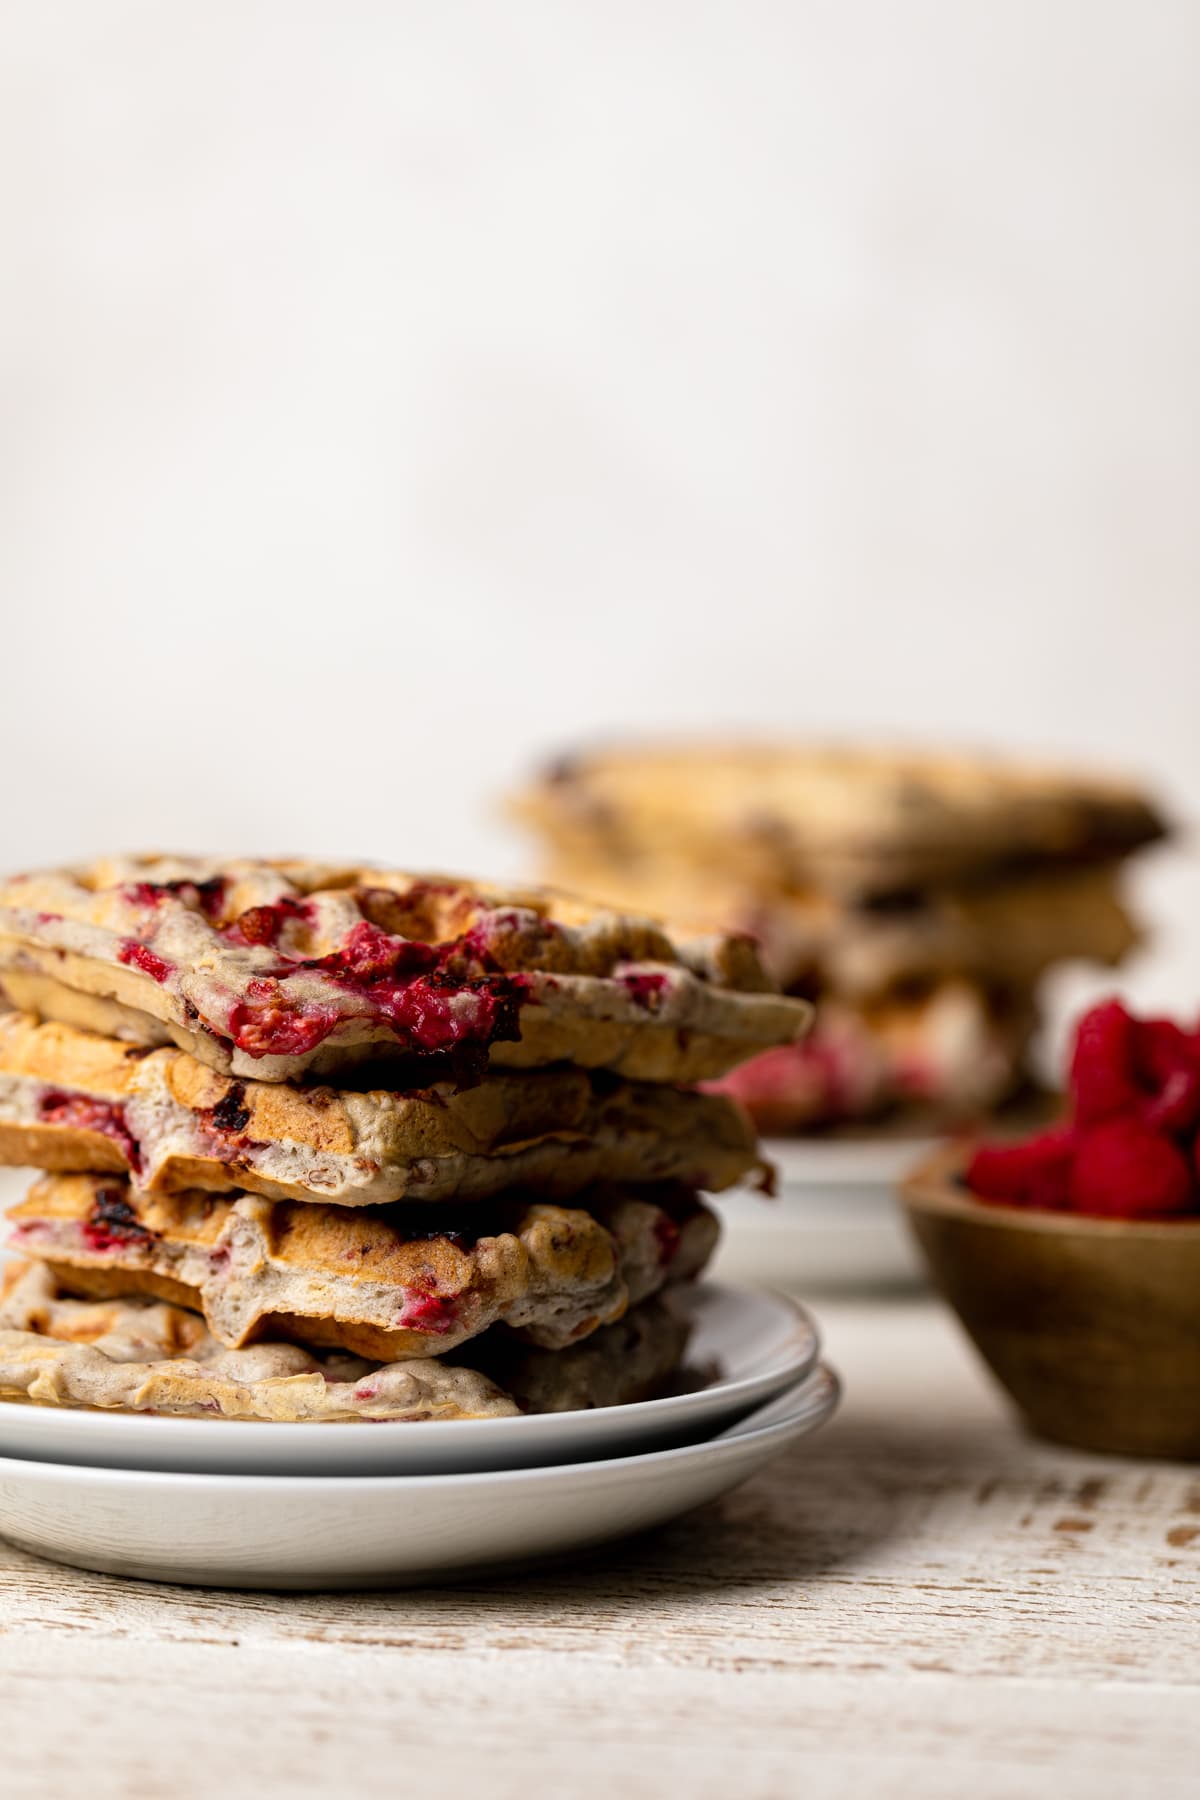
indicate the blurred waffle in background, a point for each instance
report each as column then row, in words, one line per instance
column 917, row 897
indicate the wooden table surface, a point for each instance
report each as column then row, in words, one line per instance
column 919, row 1600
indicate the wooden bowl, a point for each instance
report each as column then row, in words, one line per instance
column 1093, row 1325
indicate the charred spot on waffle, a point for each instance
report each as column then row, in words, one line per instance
column 562, row 769
column 463, row 1229
column 605, row 1083
column 674, row 1198
column 231, row 1113
column 886, row 901
column 112, row 1223
column 462, row 1066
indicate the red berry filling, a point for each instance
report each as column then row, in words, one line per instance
column 825, row 1076
column 137, row 956
column 427, row 1312
column 433, row 997
column 263, row 924
column 205, row 897
column 1129, row 1149
column 275, row 1025
column 666, row 1236
column 645, row 990
column 80, row 1112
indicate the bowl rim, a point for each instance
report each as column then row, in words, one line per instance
column 933, row 1188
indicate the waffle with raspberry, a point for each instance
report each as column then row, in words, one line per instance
column 73, row 1101
column 388, row 1283
column 286, row 970
column 132, row 1355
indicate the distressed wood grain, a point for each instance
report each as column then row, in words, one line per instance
column 921, row 1595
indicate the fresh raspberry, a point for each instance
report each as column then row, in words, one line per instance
column 1103, row 1080
column 1124, row 1170
column 1035, row 1173
column 1167, row 1064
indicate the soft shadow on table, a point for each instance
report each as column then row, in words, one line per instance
column 823, row 1513
column 794, row 1524
column 817, row 1515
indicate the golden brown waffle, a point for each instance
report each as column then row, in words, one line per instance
column 142, row 1356
column 274, row 970
column 1006, row 932
column 952, row 1049
column 132, row 1356
column 842, row 820
column 73, row 1101
column 375, row 1282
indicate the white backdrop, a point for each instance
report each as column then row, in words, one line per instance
column 392, row 393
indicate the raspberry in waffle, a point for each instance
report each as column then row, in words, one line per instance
column 72, row 1101
column 144, row 1356
column 275, row 970
column 379, row 1282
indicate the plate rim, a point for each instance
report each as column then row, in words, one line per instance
column 813, row 1401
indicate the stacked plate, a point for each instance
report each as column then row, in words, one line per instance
column 235, row 1504
column 833, row 1224
column 349, row 1176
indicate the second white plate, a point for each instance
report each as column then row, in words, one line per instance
column 258, row 1531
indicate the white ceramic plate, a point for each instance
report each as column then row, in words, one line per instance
column 759, row 1344
column 271, row 1531
column 834, row 1224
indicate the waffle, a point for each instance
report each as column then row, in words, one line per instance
column 143, row 1356
column 378, row 1283
column 72, row 1101
column 277, row 970
column 953, row 1049
column 843, row 820
column 631, row 1360
column 1006, row 932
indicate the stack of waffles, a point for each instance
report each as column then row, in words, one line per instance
column 332, row 1143
column 916, row 899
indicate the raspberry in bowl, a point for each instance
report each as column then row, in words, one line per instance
column 1073, row 1257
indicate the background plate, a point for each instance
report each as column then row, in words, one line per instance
column 835, row 1223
